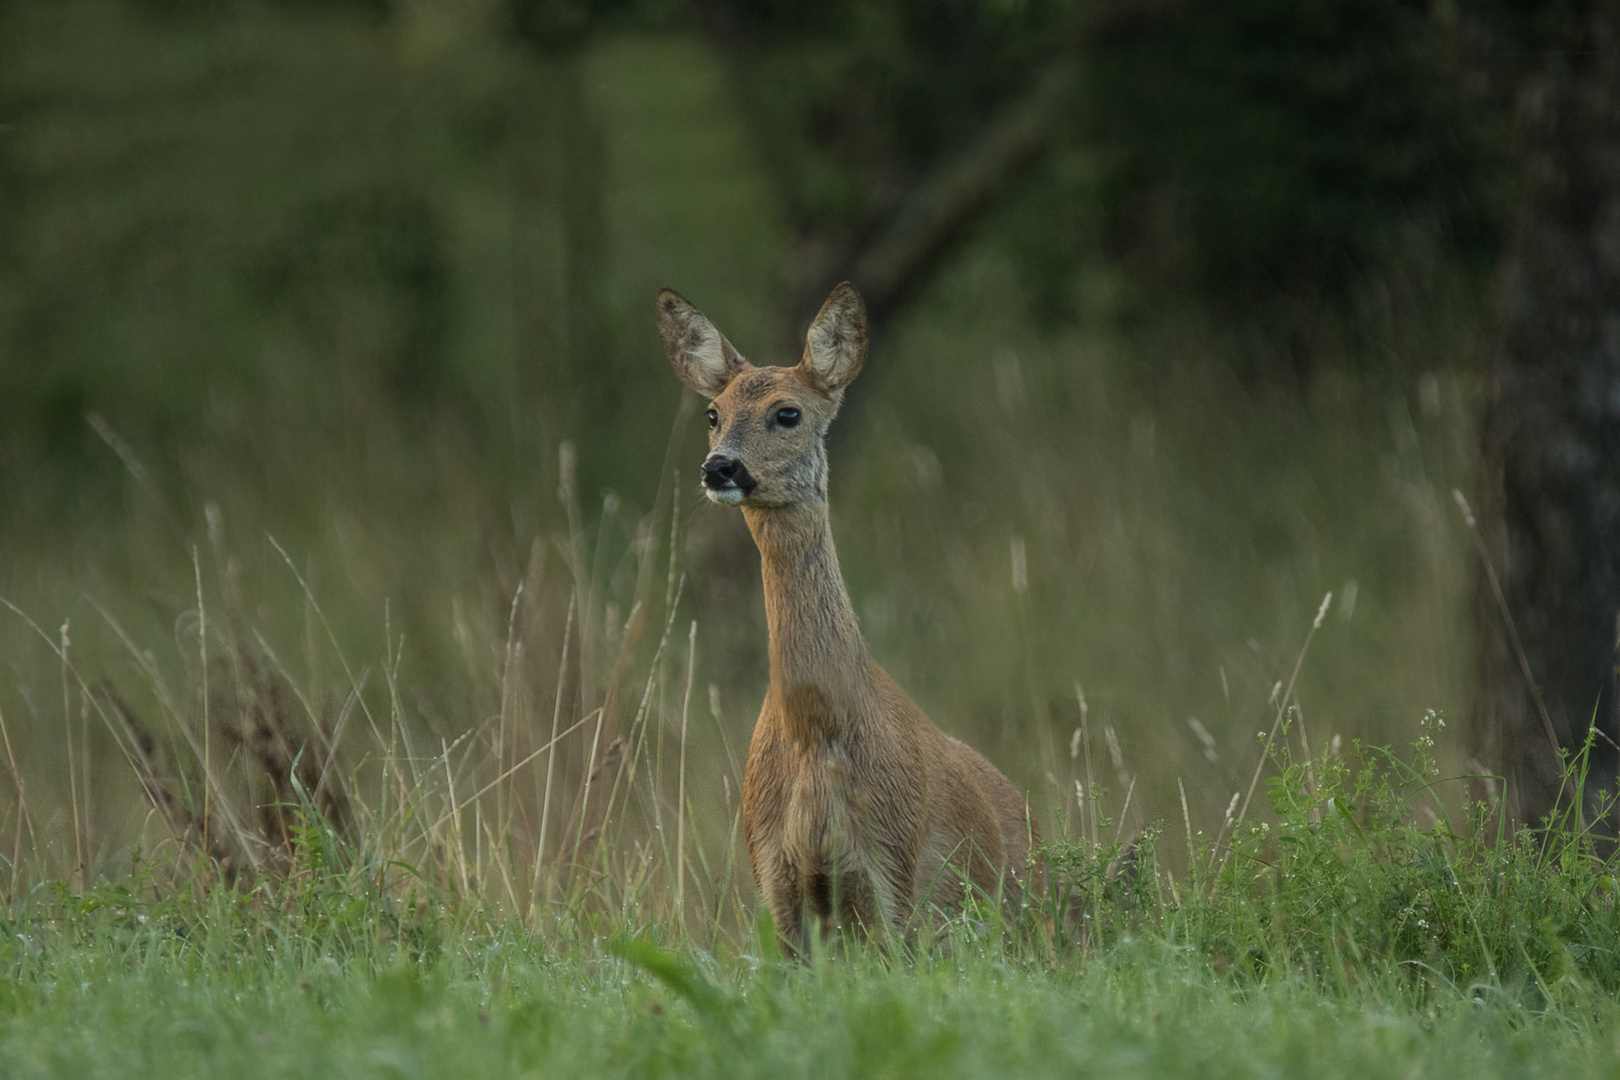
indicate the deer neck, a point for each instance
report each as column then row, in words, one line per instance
column 819, row 663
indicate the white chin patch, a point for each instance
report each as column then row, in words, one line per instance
column 729, row 496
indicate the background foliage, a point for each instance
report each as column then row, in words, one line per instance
column 324, row 328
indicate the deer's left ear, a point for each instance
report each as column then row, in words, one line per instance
column 835, row 347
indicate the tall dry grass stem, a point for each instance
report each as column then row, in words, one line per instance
column 551, row 758
column 1092, row 816
column 1282, row 710
column 1507, row 618
column 348, row 671
column 680, row 796
column 502, row 736
column 23, row 816
column 207, row 726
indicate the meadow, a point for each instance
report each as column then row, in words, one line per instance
column 1340, row 941
column 373, row 716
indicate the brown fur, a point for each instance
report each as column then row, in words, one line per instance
column 857, row 809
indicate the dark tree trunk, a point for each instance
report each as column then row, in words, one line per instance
column 1550, row 488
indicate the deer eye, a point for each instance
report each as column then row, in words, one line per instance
column 787, row 417
column 714, row 419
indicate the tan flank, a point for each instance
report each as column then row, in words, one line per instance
column 858, row 810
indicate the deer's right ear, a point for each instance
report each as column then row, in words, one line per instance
column 697, row 350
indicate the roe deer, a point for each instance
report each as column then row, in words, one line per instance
column 855, row 806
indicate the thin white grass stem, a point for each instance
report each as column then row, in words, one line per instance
column 458, row 852
column 328, row 768
column 674, row 533
column 680, row 798
column 73, row 774
column 506, row 703
column 1186, row 820
column 396, row 712
column 331, row 636
column 594, row 591
column 702, row 861
column 167, row 707
column 496, row 850
column 22, row 804
column 610, row 700
column 1282, row 710
column 1123, row 810
column 207, row 726
column 724, row 887
column 329, row 749
column 1216, row 851
column 1305, row 746
column 118, row 731
column 590, row 771
column 503, row 777
column 568, row 496
column 1507, row 617
column 636, row 746
column 84, row 764
column 657, row 775
column 1091, row 779
column 725, row 740
column 551, row 759
column 16, row 856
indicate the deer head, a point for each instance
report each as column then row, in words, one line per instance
column 767, row 425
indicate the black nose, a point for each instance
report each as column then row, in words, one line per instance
column 719, row 472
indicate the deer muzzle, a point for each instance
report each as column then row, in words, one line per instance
column 727, row 480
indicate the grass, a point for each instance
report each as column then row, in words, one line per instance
column 391, row 912
column 303, row 873
column 1339, row 942
column 506, row 1012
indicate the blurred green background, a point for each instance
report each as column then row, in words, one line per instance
column 351, row 275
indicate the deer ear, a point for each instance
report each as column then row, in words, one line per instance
column 697, row 350
column 835, row 347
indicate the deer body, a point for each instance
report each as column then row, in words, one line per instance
column 857, row 809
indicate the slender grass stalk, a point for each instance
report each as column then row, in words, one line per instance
column 1186, row 820
column 1282, row 709
column 331, row 637
column 73, row 775
column 585, row 794
column 22, row 806
column 1507, row 616
column 84, row 770
column 503, row 777
column 506, row 703
column 736, row 774
column 501, row 864
column 551, row 757
column 637, row 735
column 457, row 850
column 1092, row 814
column 207, row 725
column 1119, row 831
column 680, row 798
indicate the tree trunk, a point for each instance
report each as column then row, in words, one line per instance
column 1549, row 592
